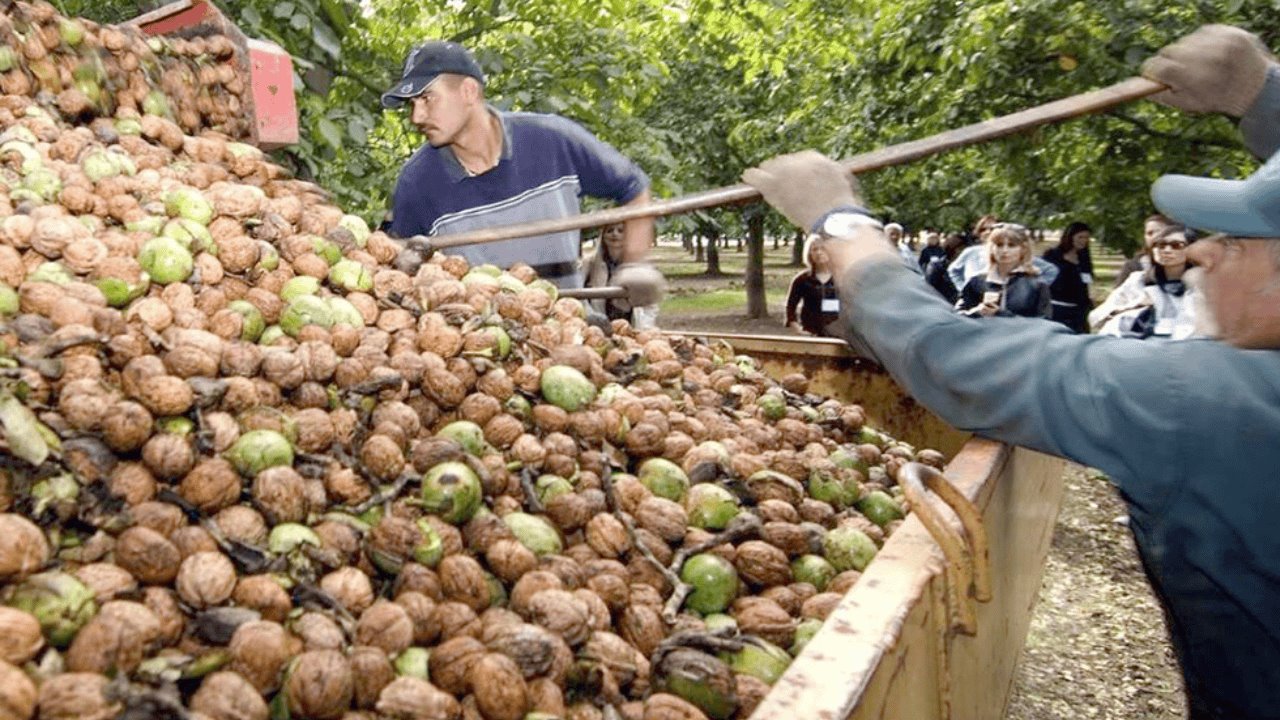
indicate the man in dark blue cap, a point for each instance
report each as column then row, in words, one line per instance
column 1189, row 431
column 484, row 168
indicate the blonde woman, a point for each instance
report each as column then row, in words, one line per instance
column 1012, row 284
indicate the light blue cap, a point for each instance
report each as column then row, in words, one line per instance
column 1247, row 208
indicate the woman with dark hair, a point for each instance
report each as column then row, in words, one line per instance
column 1155, row 302
column 935, row 272
column 1070, row 289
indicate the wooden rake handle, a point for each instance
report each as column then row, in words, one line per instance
column 1066, row 109
column 968, row 567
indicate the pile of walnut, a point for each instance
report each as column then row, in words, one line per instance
column 262, row 462
column 88, row 70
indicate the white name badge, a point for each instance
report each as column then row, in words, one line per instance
column 1086, row 278
column 831, row 305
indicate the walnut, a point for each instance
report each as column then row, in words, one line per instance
column 816, row 511
column 655, row 544
column 569, row 511
column 533, row 648
column 77, row 696
column 259, row 650
column 597, row 610
column 23, row 547
column 529, row 585
column 166, row 395
column 422, row 613
column 242, row 523
column 484, row 529
column 456, row 619
column 264, row 594
column 415, row 577
column 546, row 697
column 762, row 565
column 566, row 568
column 607, row 536
column 665, row 518
column 318, row 632
column 212, row 485
column 350, row 587
column 410, row 698
column 126, row 426
column 107, row 581
column 119, row 637
column 164, row 518
column 206, row 579
column 129, row 481
column 451, row 661
column 503, row 430
column 499, row 687
column 320, row 685
column 163, row 603
column 645, row 440
column 562, row 613
column 789, row 538
column 168, row 456
column 191, row 539
column 786, row 598
column 751, row 691
column 20, row 637
column 147, row 555
column 372, row 672
column 843, row 582
column 224, row 695
column 643, row 627
column 280, row 494
column 820, row 606
column 765, row 618
column 463, row 580
column 611, row 589
column 510, row 559
column 385, row 625
column 382, row 457
column 17, row 692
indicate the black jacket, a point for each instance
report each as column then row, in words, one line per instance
column 929, row 253
column 807, row 292
column 1022, row 294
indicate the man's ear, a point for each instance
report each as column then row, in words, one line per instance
column 472, row 89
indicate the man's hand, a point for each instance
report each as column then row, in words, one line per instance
column 803, row 186
column 642, row 281
column 1217, row 68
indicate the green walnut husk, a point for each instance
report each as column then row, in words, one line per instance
column 358, row 228
column 477, row 278
column 151, row 224
column 51, row 272
column 350, row 276
column 664, row 478
column 519, row 406
column 8, row 300
column 534, row 532
column 59, row 601
column 848, row 459
column 772, row 407
column 765, row 661
column 99, row 165
column 701, row 679
column 430, row 551
column 413, row 662
column 44, row 183
column 298, row 286
column 452, row 491
column 813, row 569
column 305, row 310
column 71, row 31
column 468, row 435
column 8, row 58
column 510, row 283
column 550, row 486
column 547, row 287
column 710, row 507
column 880, row 508
column 191, row 234
column 271, row 334
column 501, row 346
column 258, row 450
column 287, row 537
column 120, row 292
column 189, row 203
column 719, row 621
column 714, row 581
column 252, row 325
column 175, row 425
column 343, row 312
column 848, row 548
column 165, row 260
column 837, row 489
column 804, row 633
column 567, row 388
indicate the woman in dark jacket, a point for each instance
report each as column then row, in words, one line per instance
column 1070, row 290
column 1011, row 285
column 935, row 272
column 814, row 292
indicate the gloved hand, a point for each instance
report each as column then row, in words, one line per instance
column 804, row 185
column 642, row 281
column 1217, row 68
column 595, row 318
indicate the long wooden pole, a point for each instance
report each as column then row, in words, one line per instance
column 1057, row 111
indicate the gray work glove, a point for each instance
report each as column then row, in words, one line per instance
column 642, row 281
column 1217, row 68
column 595, row 318
column 804, row 186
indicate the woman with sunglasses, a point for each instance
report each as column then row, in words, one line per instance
column 1155, row 302
column 1012, row 284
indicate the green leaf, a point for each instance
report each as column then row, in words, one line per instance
column 325, row 39
column 330, row 132
column 22, row 430
column 282, row 10
column 299, row 22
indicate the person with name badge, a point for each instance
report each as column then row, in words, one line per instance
column 813, row 301
column 1012, row 284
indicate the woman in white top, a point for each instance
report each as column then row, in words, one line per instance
column 1155, row 302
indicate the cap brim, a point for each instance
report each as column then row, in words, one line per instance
column 406, row 90
column 1224, row 206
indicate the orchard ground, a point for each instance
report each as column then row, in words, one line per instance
column 1097, row 647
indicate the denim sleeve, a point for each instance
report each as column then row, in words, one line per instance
column 1026, row 381
column 1261, row 125
column 603, row 171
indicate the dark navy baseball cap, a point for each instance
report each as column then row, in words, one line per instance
column 427, row 61
column 1248, row 208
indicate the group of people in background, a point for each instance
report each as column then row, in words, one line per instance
column 995, row 271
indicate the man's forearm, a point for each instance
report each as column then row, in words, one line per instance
column 638, row 233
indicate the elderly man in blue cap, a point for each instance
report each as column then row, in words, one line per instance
column 1189, row 431
column 481, row 168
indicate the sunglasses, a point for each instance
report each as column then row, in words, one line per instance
column 1169, row 245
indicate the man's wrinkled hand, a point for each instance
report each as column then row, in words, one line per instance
column 643, row 283
column 1217, row 68
column 803, row 186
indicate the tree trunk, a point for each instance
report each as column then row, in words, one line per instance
column 713, row 255
column 797, row 249
column 757, row 305
column 686, row 242
column 698, row 254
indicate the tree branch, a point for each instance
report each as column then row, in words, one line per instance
column 1194, row 142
